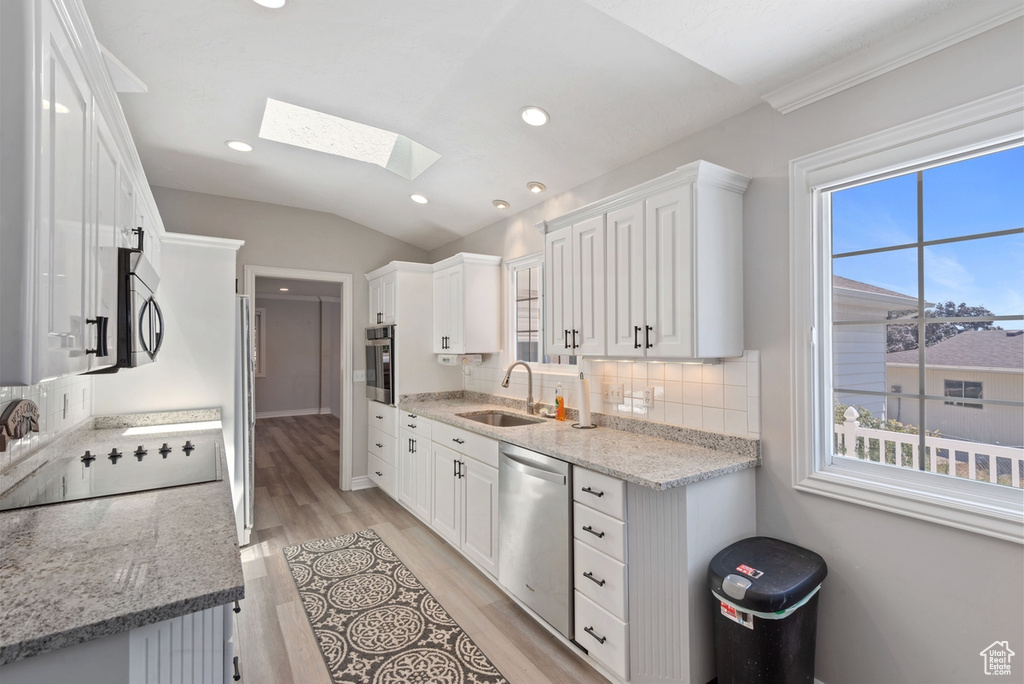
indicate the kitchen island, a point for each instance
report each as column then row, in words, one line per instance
column 86, row 571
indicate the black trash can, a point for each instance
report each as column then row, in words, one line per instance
column 766, row 611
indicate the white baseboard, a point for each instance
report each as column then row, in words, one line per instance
column 286, row 414
column 362, row 482
column 325, row 411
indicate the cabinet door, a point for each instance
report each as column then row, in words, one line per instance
column 442, row 313
column 669, row 270
column 588, row 311
column 62, row 235
column 105, row 203
column 389, row 297
column 151, row 240
column 414, row 474
column 126, row 213
column 456, row 310
column 480, row 529
column 446, row 508
column 375, row 310
column 406, row 470
column 625, row 281
column 558, row 292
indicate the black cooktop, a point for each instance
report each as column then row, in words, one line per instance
column 134, row 467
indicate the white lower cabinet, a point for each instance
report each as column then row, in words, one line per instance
column 414, row 468
column 605, row 637
column 465, row 501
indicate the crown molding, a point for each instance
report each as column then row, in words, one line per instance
column 868, row 64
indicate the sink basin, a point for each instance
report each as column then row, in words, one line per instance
column 498, row 419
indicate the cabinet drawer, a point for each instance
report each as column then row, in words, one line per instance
column 601, row 492
column 382, row 417
column 600, row 578
column 382, row 474
column 603, row 635
column 602, row 532
column 415, row 424
column 483, row 449
column 381, row 445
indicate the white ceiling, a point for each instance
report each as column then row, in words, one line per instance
column 620, row 78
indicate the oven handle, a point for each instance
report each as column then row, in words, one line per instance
column 151, row 327
column 532, row 470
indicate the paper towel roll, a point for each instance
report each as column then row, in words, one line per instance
column 584, row 402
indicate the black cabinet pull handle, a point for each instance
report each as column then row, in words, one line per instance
column 647, row 336
column 237, row 608
column 588, row 490
column 101, row 335
column 114, row 455
column 413, row 449
column 380, row 417
column 411, row 425
column 458, row 441
column 574, row 345
column 455, row 468
column 636, row 337
column 462, row 469
column 590, row 576
column 412, row 416
column 379, row 445
column 588, row 528
column 566, row 345
column 591, row 632
column 237, row 675
column 88, row 458
column 379, row 474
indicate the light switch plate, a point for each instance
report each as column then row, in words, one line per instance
column 359, row 376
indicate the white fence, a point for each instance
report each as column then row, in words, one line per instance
column 995, row 463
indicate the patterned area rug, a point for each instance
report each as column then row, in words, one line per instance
column 374, row 621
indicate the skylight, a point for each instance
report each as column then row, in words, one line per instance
column 313, row 130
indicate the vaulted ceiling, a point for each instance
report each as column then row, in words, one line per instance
column 619, row 78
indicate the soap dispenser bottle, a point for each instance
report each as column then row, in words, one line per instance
column 559, row 403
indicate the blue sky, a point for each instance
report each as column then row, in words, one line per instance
column 972, row 196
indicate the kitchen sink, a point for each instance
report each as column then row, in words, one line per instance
column 499, row 419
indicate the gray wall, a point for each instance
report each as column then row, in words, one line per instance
column 295, row 238
column 292, row 372
column 905, row 600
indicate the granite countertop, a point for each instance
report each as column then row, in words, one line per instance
column 649, row 454
column 82, row 570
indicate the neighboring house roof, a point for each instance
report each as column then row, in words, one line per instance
column 847, row 284
column 971, row 349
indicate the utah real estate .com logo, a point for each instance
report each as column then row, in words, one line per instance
column 997, row 658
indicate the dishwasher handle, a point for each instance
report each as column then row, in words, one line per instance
column 532, row 470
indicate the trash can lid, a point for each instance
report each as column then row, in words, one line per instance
column 764, row 574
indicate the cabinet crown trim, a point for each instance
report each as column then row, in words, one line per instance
column 700, row 171
column 467, row 258
column 401, row 267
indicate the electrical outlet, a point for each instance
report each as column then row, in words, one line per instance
column 358, row 376
column 613, row 392
column 648, row 396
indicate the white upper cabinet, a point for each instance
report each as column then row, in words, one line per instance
column 383, row 299
column 467, row 289
column 574, row 286
column 70, row 194
column 672, row 264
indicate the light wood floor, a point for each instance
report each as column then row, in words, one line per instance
column 297, row 500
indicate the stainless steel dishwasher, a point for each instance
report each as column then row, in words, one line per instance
column 535, row 533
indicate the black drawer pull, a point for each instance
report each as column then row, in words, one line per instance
column 237, row 675
column 379, row 445
column 591, row 632
column 237, row 608
column 458, row 441
column 412, row 416
column 590, row 576
column 380, row 417
column 588, row 490
column 588, row 528
column 411, row 425
column 379, row 474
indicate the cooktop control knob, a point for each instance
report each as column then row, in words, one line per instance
column 88, row 458
column 114, row 455
column 140, row 452
column 188, row 448
column 164, row 450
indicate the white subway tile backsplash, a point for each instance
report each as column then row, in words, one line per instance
column 712, row 373
column 736, row 423
column 714, row 419
column 674, row 414
column 736, row 398
column 673, row 372
column 693, row 372
column 693, row 417
column 713, row 396
column 655, row 371
column 754, row 415
column 674, row 392
column 736, row 372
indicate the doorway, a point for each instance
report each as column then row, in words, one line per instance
column 312, row 382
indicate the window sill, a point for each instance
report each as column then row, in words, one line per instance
column 972, row 506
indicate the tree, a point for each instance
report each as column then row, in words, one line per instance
column 902, row 337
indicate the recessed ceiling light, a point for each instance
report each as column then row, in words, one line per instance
column 418, row 199
column 239, row 146
column 535, row 116
column 272, row 4
column 535, row 187
column 284, row 289
column 501, row 204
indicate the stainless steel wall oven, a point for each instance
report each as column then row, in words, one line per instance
column 380, row 364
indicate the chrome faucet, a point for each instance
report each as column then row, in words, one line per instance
column 530, row 406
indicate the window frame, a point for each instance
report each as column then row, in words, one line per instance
column 509, row 355
column 952, row 401
column 968, row 130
